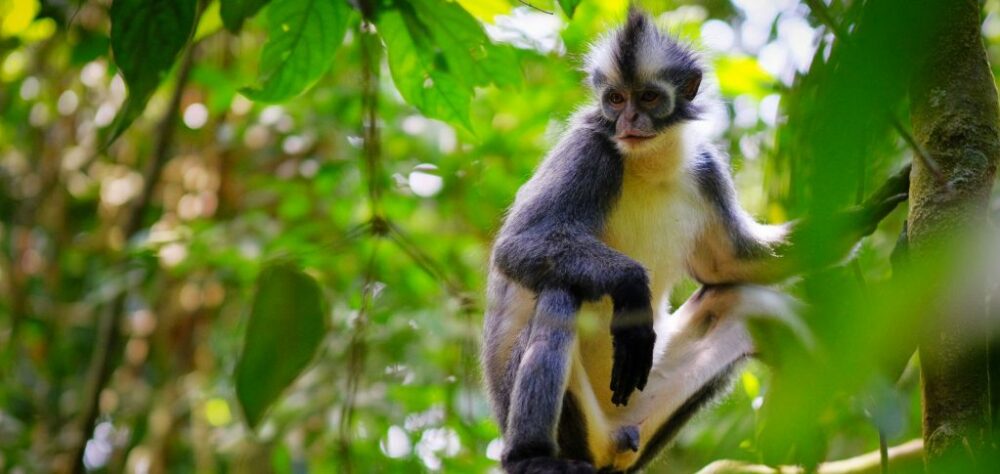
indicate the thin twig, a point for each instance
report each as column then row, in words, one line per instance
column 357, row 350
column 426, row 262
column 371, row 152
column 922, row 154
column 902, row 457
column 522, row 2
column 369, row 104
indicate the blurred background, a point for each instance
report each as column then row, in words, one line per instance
column 103, row 257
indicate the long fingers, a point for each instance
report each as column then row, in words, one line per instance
column 633, row 356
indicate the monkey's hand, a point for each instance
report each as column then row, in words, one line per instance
column 633, row 338
column 841, row 231
column 880, row 204
column 860, row 221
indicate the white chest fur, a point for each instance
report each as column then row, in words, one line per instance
column 655, row 221
column 656, row 224
column 658, row 216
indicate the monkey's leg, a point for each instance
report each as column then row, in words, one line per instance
column 699, row 349
column 537, row 399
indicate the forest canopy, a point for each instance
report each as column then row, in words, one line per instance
column 253, row 235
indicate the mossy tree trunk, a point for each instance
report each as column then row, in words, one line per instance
column 955, row 120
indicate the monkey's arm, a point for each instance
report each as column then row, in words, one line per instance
column 735, row 248
column 582, row 266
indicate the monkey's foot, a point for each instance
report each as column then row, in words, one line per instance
column 549, row 466
column 627, row 439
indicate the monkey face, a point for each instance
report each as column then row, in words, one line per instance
column 639, row 113
column 645, row 80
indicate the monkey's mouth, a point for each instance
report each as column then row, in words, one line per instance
column 633, row 138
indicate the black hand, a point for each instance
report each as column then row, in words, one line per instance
column 633, row 339
column 860, row 221
column 882, row 202
column 897, row 184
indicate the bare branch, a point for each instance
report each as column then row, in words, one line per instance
column 900, row 459
column 522, row 2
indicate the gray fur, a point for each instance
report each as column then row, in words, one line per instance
column 716, row 184
column 541, row 378
column 550, row 240
column 572, row 435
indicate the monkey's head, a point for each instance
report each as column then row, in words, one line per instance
column 645, row 80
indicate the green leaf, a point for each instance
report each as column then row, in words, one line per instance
column 235, row 12
column 438, row 54
column 569, row 6
column 751, row 385
column 436, row 93
column 88, row 47
column 303, row 35
column 287, row 324
column 146, row 37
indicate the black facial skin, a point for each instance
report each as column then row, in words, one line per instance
column 645, row 110
column 632, row 113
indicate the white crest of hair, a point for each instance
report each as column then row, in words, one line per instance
column 600, row 57
column 649, row 58
column 713, row 121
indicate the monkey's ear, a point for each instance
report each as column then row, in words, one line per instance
column 689, row 88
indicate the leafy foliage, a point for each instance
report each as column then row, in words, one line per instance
column 302, row 37
column 285, row 327
column 569, row 6
column 439, row 54
column 146, row 37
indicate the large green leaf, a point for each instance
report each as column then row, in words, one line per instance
column 438, row 55
column 436, row 93
column 303, row 35
column 569, row 6
column 235, row 12
column 146, row 37
column 286, row 327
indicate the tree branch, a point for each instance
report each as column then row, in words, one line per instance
column 954, row 112
column 907, row 457
column 108, row 335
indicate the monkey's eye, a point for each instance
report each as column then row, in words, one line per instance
column 616, row 98
column 649, row 96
